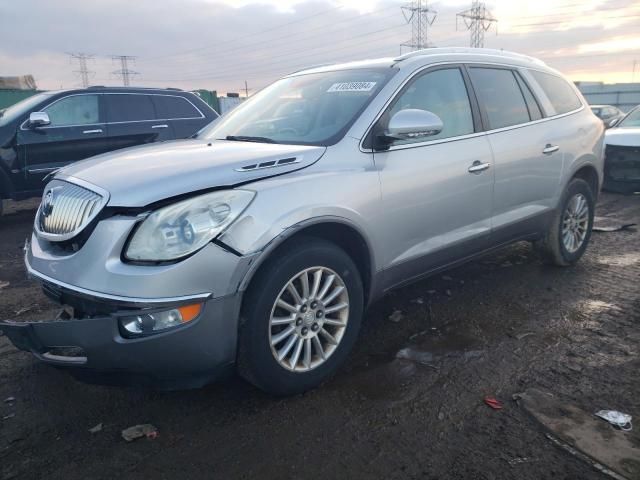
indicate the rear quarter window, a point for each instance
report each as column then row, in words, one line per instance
column 558, row 91
column 173, row 107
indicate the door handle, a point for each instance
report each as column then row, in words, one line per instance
column 478, row 167
column 97, row 130
column 160, row 126
column 549, row 149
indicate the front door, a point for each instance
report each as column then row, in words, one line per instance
column 77, row 131
column 437, row 190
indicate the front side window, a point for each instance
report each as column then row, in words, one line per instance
column 124, row 107
column 74, row 110
column 498, row 91
column 632, row 120
column 558, row 91
column 444, row 93
column 307, row 109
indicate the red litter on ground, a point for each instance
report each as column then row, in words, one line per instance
column 493, row 403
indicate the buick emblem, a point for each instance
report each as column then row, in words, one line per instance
column 47, row 204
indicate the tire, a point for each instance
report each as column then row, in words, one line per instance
column 552, row 246
column 257, row 360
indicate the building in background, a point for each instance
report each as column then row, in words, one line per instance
column 625, row 96
column 14, row 89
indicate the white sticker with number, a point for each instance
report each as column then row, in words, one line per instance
column 352, row 87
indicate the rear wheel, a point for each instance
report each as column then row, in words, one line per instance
column 570, row 230
column 301, row 318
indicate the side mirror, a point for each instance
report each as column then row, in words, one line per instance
column 39, row 119
column 411, row 123
column 614, row 122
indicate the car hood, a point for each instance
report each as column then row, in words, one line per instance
column 623, row 137
column 139, row 176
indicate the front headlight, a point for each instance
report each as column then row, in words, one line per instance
column 182, row 228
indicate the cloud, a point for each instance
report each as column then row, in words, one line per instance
column 218, row 45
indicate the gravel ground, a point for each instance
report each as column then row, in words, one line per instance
column 409, row 403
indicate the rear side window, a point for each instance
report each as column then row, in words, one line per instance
column 444, row 93
column 170, row 107
column 498, row 91
column 74, row 110
column 558, row 91
column 129, row 108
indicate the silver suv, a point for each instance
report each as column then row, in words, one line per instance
column 260, row 242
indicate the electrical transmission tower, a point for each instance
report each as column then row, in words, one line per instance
column 84, row 71
column 421, row 18
column 124, row 71
column 477, row 20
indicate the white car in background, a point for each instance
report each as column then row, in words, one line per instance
column 622, row 154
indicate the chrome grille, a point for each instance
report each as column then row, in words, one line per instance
column 66, row 209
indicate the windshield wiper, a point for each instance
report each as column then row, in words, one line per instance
column 247, row 138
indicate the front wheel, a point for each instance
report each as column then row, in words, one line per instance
column 301, row 317
column 570, row 230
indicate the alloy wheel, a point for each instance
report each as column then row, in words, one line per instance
column 308, row 319
column 575, row 223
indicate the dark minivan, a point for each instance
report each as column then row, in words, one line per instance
column 52, row 129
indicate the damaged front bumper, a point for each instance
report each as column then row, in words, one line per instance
column 91, row 342
column 97, row 350
column 622, row 169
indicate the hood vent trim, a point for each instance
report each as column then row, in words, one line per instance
column 268, row 164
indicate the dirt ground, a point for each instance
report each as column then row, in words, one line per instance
column 409, row 403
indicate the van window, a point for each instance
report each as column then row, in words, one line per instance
column 560, row 93
column 173, row 107
column 444, row 93
column 74, row 110
column 499, row 93
column 124, row 107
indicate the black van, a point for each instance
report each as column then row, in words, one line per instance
column 52, row 129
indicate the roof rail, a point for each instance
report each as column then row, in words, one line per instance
column 467, row 50
column 312, row 67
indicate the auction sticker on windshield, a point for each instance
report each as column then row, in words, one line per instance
column 352, row 87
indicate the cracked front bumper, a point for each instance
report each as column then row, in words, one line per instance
column 188, row 356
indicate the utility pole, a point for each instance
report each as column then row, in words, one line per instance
column 478, row 19
column 246, row 88
column 124, row 71
column 421, row 17
column 84, row 71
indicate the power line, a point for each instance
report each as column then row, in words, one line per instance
column 288, row 37
column 477, row 20
column 287, row 56
column 124, row 71
column 84, row 71
column 260, row 32
column 421, row 17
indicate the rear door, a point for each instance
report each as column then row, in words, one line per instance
column 527, row 154
column 77, row 131
column 132, row 120
column 181, row 114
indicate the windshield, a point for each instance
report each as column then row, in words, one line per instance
column 311, row 109
column 18, row 109
column 631, row 120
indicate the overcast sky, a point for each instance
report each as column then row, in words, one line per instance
column 220, row 44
